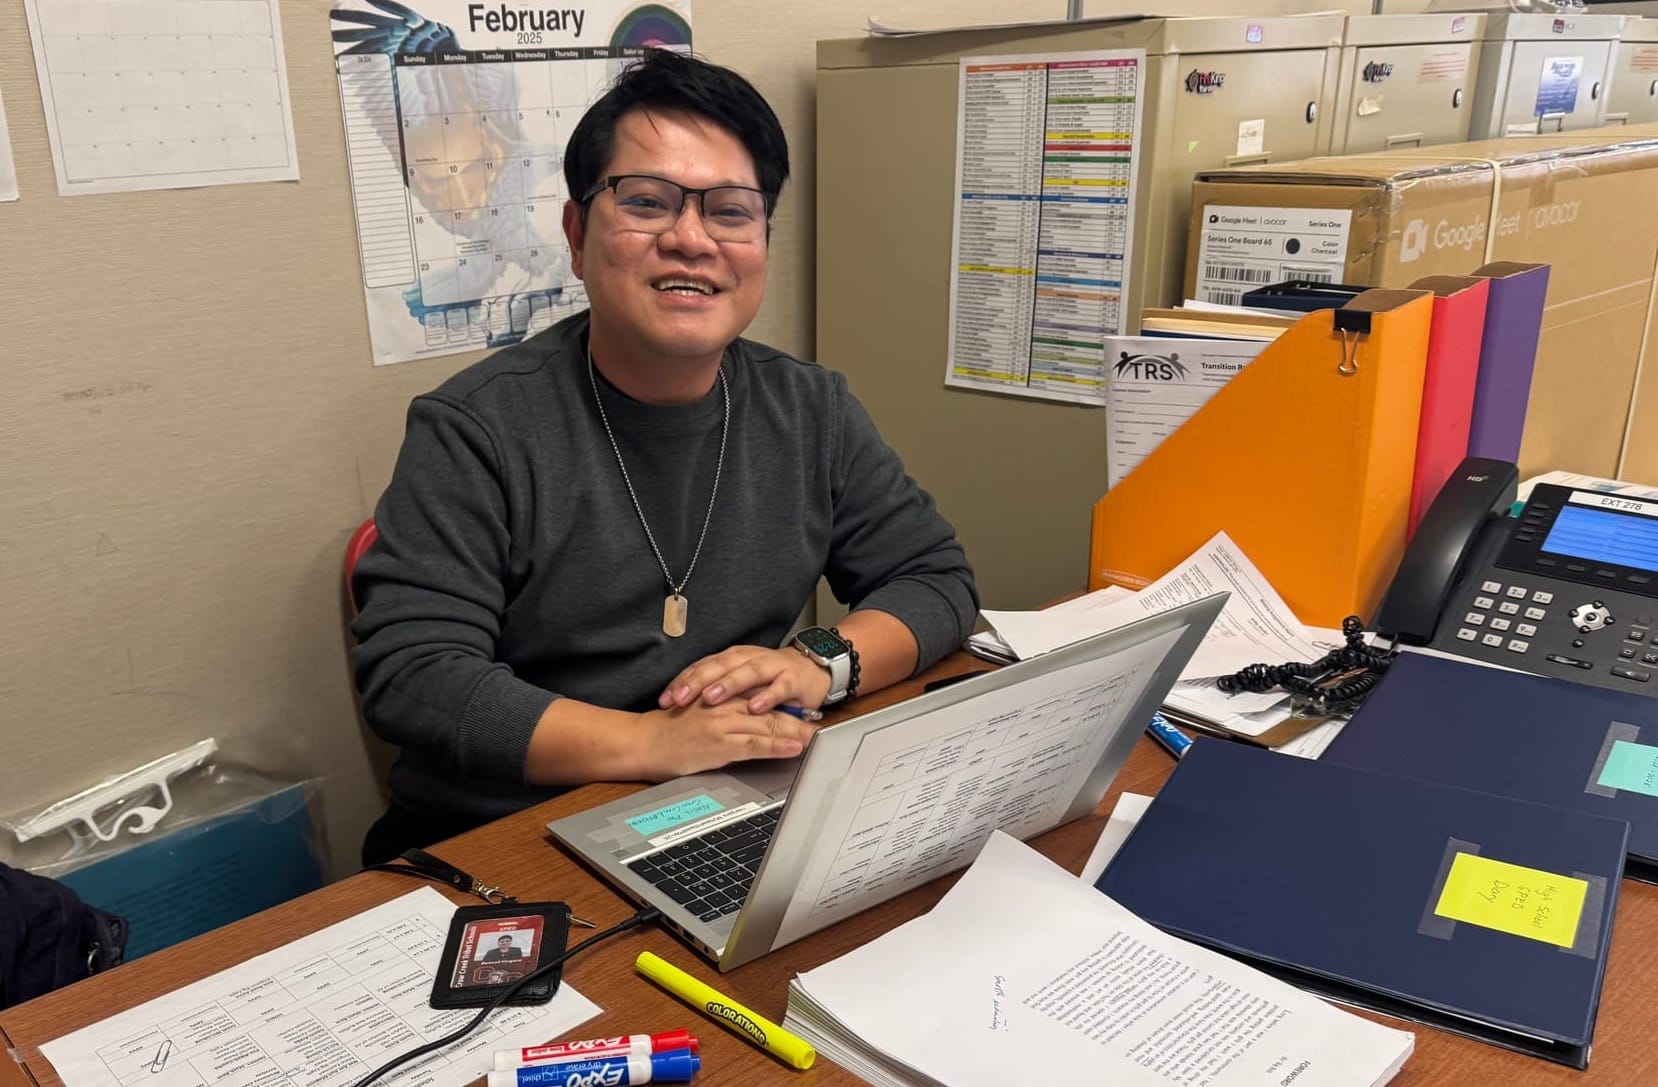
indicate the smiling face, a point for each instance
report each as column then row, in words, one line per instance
column 665, row 306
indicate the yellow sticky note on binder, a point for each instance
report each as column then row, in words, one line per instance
column 1513, row 899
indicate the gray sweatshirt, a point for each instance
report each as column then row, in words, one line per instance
column 511, row 567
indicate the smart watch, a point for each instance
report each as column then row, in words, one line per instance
column 827, row 648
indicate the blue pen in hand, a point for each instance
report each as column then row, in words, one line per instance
column 1168, row 737
column 801, row 712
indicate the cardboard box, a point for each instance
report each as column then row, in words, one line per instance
column 1583, row 203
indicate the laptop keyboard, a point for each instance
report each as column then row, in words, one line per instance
column 710, row 874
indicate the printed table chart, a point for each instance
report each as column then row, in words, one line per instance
column 1044, row 215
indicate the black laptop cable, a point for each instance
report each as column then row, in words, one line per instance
column 643, row 917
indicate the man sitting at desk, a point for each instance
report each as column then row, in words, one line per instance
column 594, row 541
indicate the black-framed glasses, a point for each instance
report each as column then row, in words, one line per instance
column 730, row 213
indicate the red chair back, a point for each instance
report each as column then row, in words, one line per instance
column 361, row 540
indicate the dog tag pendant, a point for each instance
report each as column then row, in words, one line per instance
column 673, row 615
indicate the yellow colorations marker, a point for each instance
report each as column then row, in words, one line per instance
column 729, row 1014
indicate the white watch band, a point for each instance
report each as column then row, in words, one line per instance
column 840, row 677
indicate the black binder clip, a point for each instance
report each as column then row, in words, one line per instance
column 1351, row 323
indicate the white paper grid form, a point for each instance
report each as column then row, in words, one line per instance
column 152, row 94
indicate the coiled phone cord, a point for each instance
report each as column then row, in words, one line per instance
column 1343, row 675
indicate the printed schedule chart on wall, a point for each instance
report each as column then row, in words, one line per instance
column 456, row 118
column 1044, row 216
column 163, row 94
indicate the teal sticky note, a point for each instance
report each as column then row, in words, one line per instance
column 1631, row 766
column 680, row 811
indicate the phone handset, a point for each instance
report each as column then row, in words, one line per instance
column 1479, row 491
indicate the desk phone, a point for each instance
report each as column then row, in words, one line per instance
column 1568, row 588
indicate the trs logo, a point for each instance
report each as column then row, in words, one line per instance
column 1377, row 70
column 1150, row 367
column 1414, row 241
column 1204, row 82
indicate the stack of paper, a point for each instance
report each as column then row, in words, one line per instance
column 1255, row 627
column 1024, row 974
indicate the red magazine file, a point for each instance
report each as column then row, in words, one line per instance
column 1454, row 340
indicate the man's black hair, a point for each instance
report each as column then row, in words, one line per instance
column 665, row 80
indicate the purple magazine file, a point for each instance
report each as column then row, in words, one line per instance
column 1513, row 320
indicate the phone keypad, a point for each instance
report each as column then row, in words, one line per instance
column 1498, row 609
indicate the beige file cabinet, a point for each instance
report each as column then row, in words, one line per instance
column 1406, row 81
column 1543, row 73
column 1018, row 477
column 1633, row 96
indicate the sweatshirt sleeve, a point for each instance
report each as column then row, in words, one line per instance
column 432, row 593
column 892, row 550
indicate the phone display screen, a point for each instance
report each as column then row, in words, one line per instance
column 1629, row 540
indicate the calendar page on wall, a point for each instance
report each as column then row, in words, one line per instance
column 456, row 117
column 163, row 94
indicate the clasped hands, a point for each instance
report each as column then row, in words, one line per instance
column 722, row 709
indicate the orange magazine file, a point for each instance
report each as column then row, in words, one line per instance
column 1448, row 385
column 1306, row 467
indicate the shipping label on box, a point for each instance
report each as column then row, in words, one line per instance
column 1241, row 248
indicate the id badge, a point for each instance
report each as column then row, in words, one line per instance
column 491, row 947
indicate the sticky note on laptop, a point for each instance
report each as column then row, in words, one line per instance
column 1513, row 899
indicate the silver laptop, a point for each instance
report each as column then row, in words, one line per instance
column 744, row 860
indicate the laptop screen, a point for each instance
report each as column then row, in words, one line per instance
column 918, row 799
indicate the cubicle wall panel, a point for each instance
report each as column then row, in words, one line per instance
column 1016, row 477
column 192, row 428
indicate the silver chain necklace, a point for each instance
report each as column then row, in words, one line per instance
column 675, row 607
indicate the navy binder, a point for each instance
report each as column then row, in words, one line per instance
column 1330, row 878
column 1529, row 737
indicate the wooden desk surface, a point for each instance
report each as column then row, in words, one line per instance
column 517, row 853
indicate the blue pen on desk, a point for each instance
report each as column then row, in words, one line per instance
column 801, row 712
column 1168, row 737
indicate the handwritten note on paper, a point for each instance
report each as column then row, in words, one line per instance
column 1631, row 766
column 1513, row 899
column 655, row 822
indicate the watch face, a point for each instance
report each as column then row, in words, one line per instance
column 821, row 642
